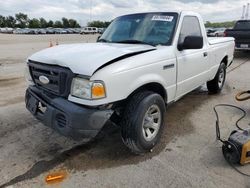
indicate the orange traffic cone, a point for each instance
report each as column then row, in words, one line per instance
column 50, row 44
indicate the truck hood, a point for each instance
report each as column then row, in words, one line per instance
column 86, row 58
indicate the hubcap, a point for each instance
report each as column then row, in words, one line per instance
column 221, row 78
column 151, row 123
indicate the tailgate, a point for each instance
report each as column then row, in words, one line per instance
column 241, row 36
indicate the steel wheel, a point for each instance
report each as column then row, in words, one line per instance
column 221, row 78
column 215, row 86
column 142, row 122
column 151, row 123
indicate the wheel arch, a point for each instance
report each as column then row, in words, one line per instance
column 154, row 87
column 225, row 60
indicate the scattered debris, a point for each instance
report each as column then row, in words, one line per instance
column 56, row 177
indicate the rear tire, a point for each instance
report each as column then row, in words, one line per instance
column 215, row 86
column 142, row 121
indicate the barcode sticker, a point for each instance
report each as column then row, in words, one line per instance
column 163, row 18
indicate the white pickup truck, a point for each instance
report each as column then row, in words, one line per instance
column 138, row 66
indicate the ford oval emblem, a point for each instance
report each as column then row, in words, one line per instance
column 43, row 79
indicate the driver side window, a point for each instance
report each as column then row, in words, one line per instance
column 190, row 27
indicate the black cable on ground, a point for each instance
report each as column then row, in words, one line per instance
column 232, row 106
column 236, row 169
column 237, row 125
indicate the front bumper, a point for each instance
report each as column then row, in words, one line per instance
column 65, row 117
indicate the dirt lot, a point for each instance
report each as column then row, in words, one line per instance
column 188, row 156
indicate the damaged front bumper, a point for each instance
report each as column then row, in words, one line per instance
column 69, row 119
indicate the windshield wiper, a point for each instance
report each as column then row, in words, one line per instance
column 134, row 42
column 103, row 40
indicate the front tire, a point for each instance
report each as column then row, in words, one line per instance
column 215, row 86
column 142, row 122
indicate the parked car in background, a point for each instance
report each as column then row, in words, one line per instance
column 32, row 31
column 77, row 30
column 24, row 31
column 69, row 31
column 89, row 30
column 41, row 31
column 17, row 31
column 60, row 31
column 241, row 33
column 100, row 30
column 209, row 31
column 35, row 31
column 50, row 30
column 6, row 30
column 219, row 32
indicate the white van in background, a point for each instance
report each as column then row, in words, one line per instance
column 89, row 30
column 6, row 30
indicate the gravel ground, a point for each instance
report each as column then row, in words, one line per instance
column 188, row 155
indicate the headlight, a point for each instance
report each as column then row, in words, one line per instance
column 27, row 75
column 86, row 89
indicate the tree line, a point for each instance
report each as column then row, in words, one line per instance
column 220, row 24
column 98, row 24
column 21, row 20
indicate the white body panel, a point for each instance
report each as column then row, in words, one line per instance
column 187, row 70
column 85, row 59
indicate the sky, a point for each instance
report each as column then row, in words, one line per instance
column 88, row 10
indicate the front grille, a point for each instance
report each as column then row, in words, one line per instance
column 59, row 78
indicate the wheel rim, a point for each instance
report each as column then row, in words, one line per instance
column 151, row 123
column 221, row 78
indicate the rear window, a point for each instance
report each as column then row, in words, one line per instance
column 242, row 25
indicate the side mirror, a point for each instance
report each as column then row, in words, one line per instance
column 191, row 42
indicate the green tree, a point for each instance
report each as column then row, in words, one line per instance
column 58, row 24
column 99, row 24
column 43, row 23
column 220, row 24
column 10, row 21
column 73, row 23
column 2, row 21
column 65, row 22
column 22, row 20
column 50, row 23
column 34, row 23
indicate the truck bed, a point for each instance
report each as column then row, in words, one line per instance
column 217, row 40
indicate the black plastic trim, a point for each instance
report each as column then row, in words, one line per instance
column 69, row 119
column 60, row 77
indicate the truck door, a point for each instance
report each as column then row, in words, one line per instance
column 192, row 63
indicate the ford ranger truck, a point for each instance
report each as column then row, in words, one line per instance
column 140, row 64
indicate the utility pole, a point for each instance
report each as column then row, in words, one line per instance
column 243, row 12
column 90, row 11
column 247, row 12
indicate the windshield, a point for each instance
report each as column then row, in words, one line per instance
column 149, row 28
column 242, row 25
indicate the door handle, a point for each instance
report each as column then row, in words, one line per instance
column 168, row 66
column 205, row 54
